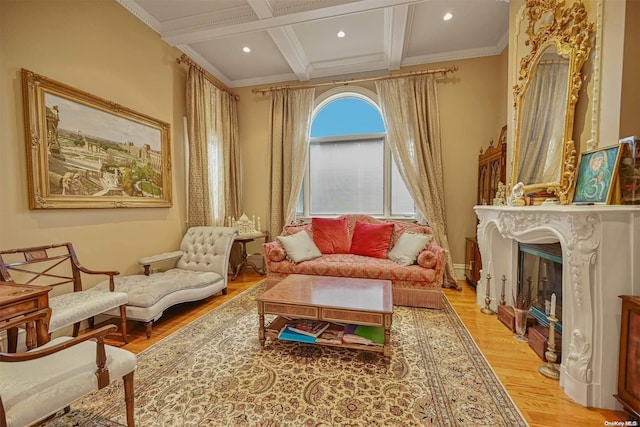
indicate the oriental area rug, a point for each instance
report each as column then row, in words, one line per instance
column 214, row 373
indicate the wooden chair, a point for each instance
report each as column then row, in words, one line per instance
column 37, row 384
column 57, row 265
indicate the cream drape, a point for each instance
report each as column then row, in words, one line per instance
column 410, row 111
column 290, row 120
column 541, row 136
column 214, row 162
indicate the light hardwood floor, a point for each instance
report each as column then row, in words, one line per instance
column 541, row 400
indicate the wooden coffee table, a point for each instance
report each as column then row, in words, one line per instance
column 332, row 299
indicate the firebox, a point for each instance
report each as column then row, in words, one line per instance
column 540, row 270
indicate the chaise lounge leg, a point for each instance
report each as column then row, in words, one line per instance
column 128, row 398
column 123, row 323
column 76, row 329
column 224, row 291
column 92, row 322
column 149, row 326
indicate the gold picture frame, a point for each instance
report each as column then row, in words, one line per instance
column 87, row 152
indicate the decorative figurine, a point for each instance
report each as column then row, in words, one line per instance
column 246, row 226
column 500, row 198
column 517, row 193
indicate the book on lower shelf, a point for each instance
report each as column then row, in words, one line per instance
column 310, row 327
column 332, row 335
column 361, row 334
column 287, row 334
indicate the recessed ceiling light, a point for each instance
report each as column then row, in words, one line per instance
column 341, row 34
column 447, row 16
column 246, row 49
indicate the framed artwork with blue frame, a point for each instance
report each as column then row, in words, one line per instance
column 597, row 172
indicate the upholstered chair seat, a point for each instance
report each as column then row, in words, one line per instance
column 68, row 308
column 35, row 385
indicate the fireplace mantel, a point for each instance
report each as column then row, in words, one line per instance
column 599, row 245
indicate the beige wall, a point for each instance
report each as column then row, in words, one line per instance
column 471, row 106
column 100, row 48
column 630, row 105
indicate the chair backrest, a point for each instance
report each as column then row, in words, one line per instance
column 207, row 249
column 51, row 265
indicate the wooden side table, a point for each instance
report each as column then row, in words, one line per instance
column 245, row 261
column 18, row 300
column 628, row 361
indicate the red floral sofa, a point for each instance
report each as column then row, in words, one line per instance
column 418, row 285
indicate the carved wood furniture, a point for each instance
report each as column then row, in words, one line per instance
column 629, row 363
column 56, row 266
column 332, row 299
column 472, row 261
column 17, row 301
column 41, row 382
column 492, row 169
column 244, row 259
column 200, row 271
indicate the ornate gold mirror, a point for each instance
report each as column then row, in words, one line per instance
column 544, row 154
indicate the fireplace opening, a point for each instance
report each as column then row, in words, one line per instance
column 540, row 269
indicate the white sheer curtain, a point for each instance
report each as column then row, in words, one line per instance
column 212, row 126
column 541, row 134
column 410, row 111
column 290, row 121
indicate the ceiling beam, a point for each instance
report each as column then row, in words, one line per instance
column 292, row 51
column 395, row 30
column 261, row 8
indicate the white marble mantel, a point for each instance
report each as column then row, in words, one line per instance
column 601, row 260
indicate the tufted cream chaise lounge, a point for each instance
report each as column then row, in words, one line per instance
column 200, row 271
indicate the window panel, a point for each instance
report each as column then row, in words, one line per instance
column 350, row 168
column 346, row 177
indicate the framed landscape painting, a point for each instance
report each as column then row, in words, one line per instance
column 87, row 152
column 596, row 175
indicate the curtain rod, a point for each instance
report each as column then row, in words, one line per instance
column 442, row 71
column 184, row 59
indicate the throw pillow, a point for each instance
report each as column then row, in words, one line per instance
column 371, row 239
column 331, row 235
column 407, row 248
column 277, row 254
column 299, row 247
column 427, row 259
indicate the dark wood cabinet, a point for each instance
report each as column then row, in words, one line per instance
column 492, row 169
column 473, row 263
column 629, row 361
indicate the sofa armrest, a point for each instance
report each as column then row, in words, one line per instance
column 147, row 261
column 274, row 252
column 432, row 257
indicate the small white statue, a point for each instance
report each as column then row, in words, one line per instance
column 501, row 192
column 246, row 226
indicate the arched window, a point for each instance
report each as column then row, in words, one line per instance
column 350, row 168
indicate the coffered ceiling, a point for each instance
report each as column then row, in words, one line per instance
column 293, row 40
